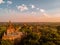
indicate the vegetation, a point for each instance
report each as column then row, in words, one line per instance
column 35, row 34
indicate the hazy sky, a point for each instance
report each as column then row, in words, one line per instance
column 30, row 10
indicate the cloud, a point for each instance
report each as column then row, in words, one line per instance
column 33, row 13
column 37, row 8
column 22, row 7
column 32, row 6
column 9, row 2
column 42, row 10
column 1, row 1
column 43, row 13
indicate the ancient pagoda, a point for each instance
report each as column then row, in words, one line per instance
column 12, row 33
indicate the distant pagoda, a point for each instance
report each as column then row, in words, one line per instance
column 12, row 33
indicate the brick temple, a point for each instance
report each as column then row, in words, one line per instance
column 12, row 33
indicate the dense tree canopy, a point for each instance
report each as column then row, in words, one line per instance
column 35, row 35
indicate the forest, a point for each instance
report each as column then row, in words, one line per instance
column 36, row 34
